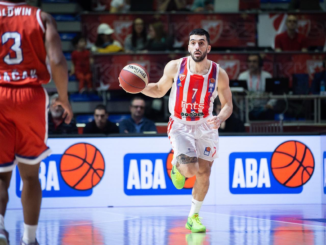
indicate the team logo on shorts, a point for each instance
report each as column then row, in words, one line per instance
column 182, row 77
column 207, row 151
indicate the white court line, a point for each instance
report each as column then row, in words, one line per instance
column 267, row 219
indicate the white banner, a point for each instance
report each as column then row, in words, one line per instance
column 134, row 171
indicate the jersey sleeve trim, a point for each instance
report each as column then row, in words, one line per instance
column 39, row 20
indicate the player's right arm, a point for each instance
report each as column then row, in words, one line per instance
column 159, row 89
column 58, row 64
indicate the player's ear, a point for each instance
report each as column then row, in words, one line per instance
column 209, row 47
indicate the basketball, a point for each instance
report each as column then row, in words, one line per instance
column 133, row 78
column 292, row 164
column 82, row 166
column 189, row 181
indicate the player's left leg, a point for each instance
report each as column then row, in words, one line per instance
column 4, row 198
column 199, row 192
column 31, row 200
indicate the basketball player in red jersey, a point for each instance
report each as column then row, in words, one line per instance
column 193, row 130
column 28, row 38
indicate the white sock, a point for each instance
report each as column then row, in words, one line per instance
column 195, row 207
column 29, row 233
column 2, row 222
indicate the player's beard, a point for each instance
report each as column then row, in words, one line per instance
column 200, row 58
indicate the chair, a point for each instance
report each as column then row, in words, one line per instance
column 266, row 127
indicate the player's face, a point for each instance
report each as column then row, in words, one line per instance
column 137, row 108
column 100, row 117
column 198, row 47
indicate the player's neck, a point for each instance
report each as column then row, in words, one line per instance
column 291, row 33
column 200, row 68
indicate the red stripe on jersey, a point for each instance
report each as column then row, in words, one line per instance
column 210, row 89
column 179, row 88
column 195, row 88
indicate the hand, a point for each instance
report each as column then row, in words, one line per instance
column 67, row 114
column 214, row 122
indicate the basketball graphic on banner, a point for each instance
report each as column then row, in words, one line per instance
column 82, row 166
column 292, row 164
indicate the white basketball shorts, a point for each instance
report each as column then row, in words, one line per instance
column 193, row 140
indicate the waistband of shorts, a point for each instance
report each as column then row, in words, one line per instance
column 201, row 121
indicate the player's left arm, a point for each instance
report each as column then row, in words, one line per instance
column 225, row 96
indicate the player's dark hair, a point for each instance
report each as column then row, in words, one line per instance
column 201, row 32
column 101, row 107
column 136, row 98
column 76, row 39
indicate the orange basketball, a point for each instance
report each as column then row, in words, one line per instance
column 292, row 163
column 81, row 232
column 133, row 78
column 82, row 166
column 189, row 181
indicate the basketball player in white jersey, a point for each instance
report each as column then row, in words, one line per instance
column 193, row 130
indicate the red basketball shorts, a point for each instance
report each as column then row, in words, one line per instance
column 23, row 126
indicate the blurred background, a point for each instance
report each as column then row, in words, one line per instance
column 272, row 50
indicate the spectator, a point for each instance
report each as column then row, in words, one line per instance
column 104, row 42
column 137, row 40
column 291, row 40
column 119, row 6
column 232, row 124
column 137, row 123
column 255, row 75
column 203, row 6
column 81, row 62
column 157, row 39
column 172, row 5
column 256, row 81
column 101, row 124
column 56, row 124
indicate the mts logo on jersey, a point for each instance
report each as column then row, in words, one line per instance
column 193, row 106
column 283, row 171
column 147, row 174
column 71, row 174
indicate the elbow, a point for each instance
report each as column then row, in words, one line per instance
column 57, row 61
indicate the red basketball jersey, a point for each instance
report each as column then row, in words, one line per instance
column 192, row 95
column 22, row 50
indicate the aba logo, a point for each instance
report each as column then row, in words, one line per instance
column 149, row 174
column 283, row 171
column 71, row 174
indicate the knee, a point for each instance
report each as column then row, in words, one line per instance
column 191, row 171
column 204, row 173
column 30, row 179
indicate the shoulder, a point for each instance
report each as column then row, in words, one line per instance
column 148, row 121
column 266, row 74
column 90, row 124
column 281, row 35
column 244, row 74
column 172, row 66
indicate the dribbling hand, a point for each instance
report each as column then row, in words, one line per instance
column 214, row 122
column 67, row 114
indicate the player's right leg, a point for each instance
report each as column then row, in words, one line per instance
column 7, row 154
column 185, row 161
